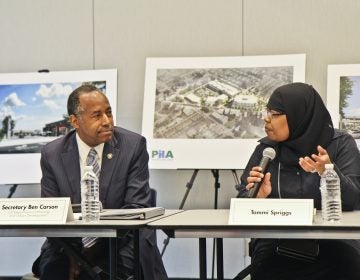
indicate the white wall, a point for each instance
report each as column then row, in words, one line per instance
column 95, row 34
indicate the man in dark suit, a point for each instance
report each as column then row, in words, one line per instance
column 124, row 183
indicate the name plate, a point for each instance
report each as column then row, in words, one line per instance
column 266, row 211
column 55, row 210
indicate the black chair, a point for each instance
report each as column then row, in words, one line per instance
column 244, row 274
column 153, row 197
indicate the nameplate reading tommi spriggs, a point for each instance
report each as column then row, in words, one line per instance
column 55, row 210
column 259, row 211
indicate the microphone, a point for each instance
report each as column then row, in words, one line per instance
column 268, row 155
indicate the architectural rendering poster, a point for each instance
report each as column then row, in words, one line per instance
column 343, row 97
column 33, row 112
column 207, row 113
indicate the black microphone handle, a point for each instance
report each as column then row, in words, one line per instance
column 255, row 189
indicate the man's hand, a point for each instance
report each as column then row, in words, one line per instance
column 255, row 175
column 74, row 269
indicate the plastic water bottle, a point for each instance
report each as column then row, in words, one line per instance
column 330, row 195
column 90, row 204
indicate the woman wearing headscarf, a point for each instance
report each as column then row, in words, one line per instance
column 300, row 129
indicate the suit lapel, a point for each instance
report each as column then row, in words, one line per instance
column 70, row 159
column 109, row 159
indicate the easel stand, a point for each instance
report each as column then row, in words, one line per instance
column 188, row 188
column 12, row 190
column 218, row 242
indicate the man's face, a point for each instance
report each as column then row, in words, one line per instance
column 94, row 123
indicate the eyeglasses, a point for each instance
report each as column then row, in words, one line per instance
column 272, row 115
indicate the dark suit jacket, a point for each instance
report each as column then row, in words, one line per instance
column 123, row 183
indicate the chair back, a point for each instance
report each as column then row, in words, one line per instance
column 153, row 195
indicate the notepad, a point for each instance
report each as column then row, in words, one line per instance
column 131, row 214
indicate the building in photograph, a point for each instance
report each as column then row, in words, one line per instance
column 245, row 102
column 56, row 128
column 222, row 88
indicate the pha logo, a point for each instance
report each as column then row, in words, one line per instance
column 162, row 154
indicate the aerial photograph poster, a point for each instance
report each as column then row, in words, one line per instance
column 33, row 112
column 207, row 112
column 343, row 97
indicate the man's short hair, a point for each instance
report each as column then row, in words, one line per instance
column 73, row 103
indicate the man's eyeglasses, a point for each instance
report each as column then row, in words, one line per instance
column 272, row 115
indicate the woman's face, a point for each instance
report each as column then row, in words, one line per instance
column 276, row 126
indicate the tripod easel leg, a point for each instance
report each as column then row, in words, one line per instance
column 218, row 242
column 219, row 259
column 188, row 188
column 202, row 258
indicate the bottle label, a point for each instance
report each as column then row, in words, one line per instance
column 90, row 204
column 331, row 209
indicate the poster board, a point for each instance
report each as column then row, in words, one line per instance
column 206, row 112
column 343, row 97
column 33, row 112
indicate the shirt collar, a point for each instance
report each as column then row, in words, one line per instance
column 84, row 149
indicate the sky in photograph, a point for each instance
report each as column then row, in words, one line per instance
column 34, row 105
column 353, row 108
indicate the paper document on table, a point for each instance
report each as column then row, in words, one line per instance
column 131, row 214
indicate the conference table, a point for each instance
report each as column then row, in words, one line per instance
column 213, row 223
column 111, row 229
